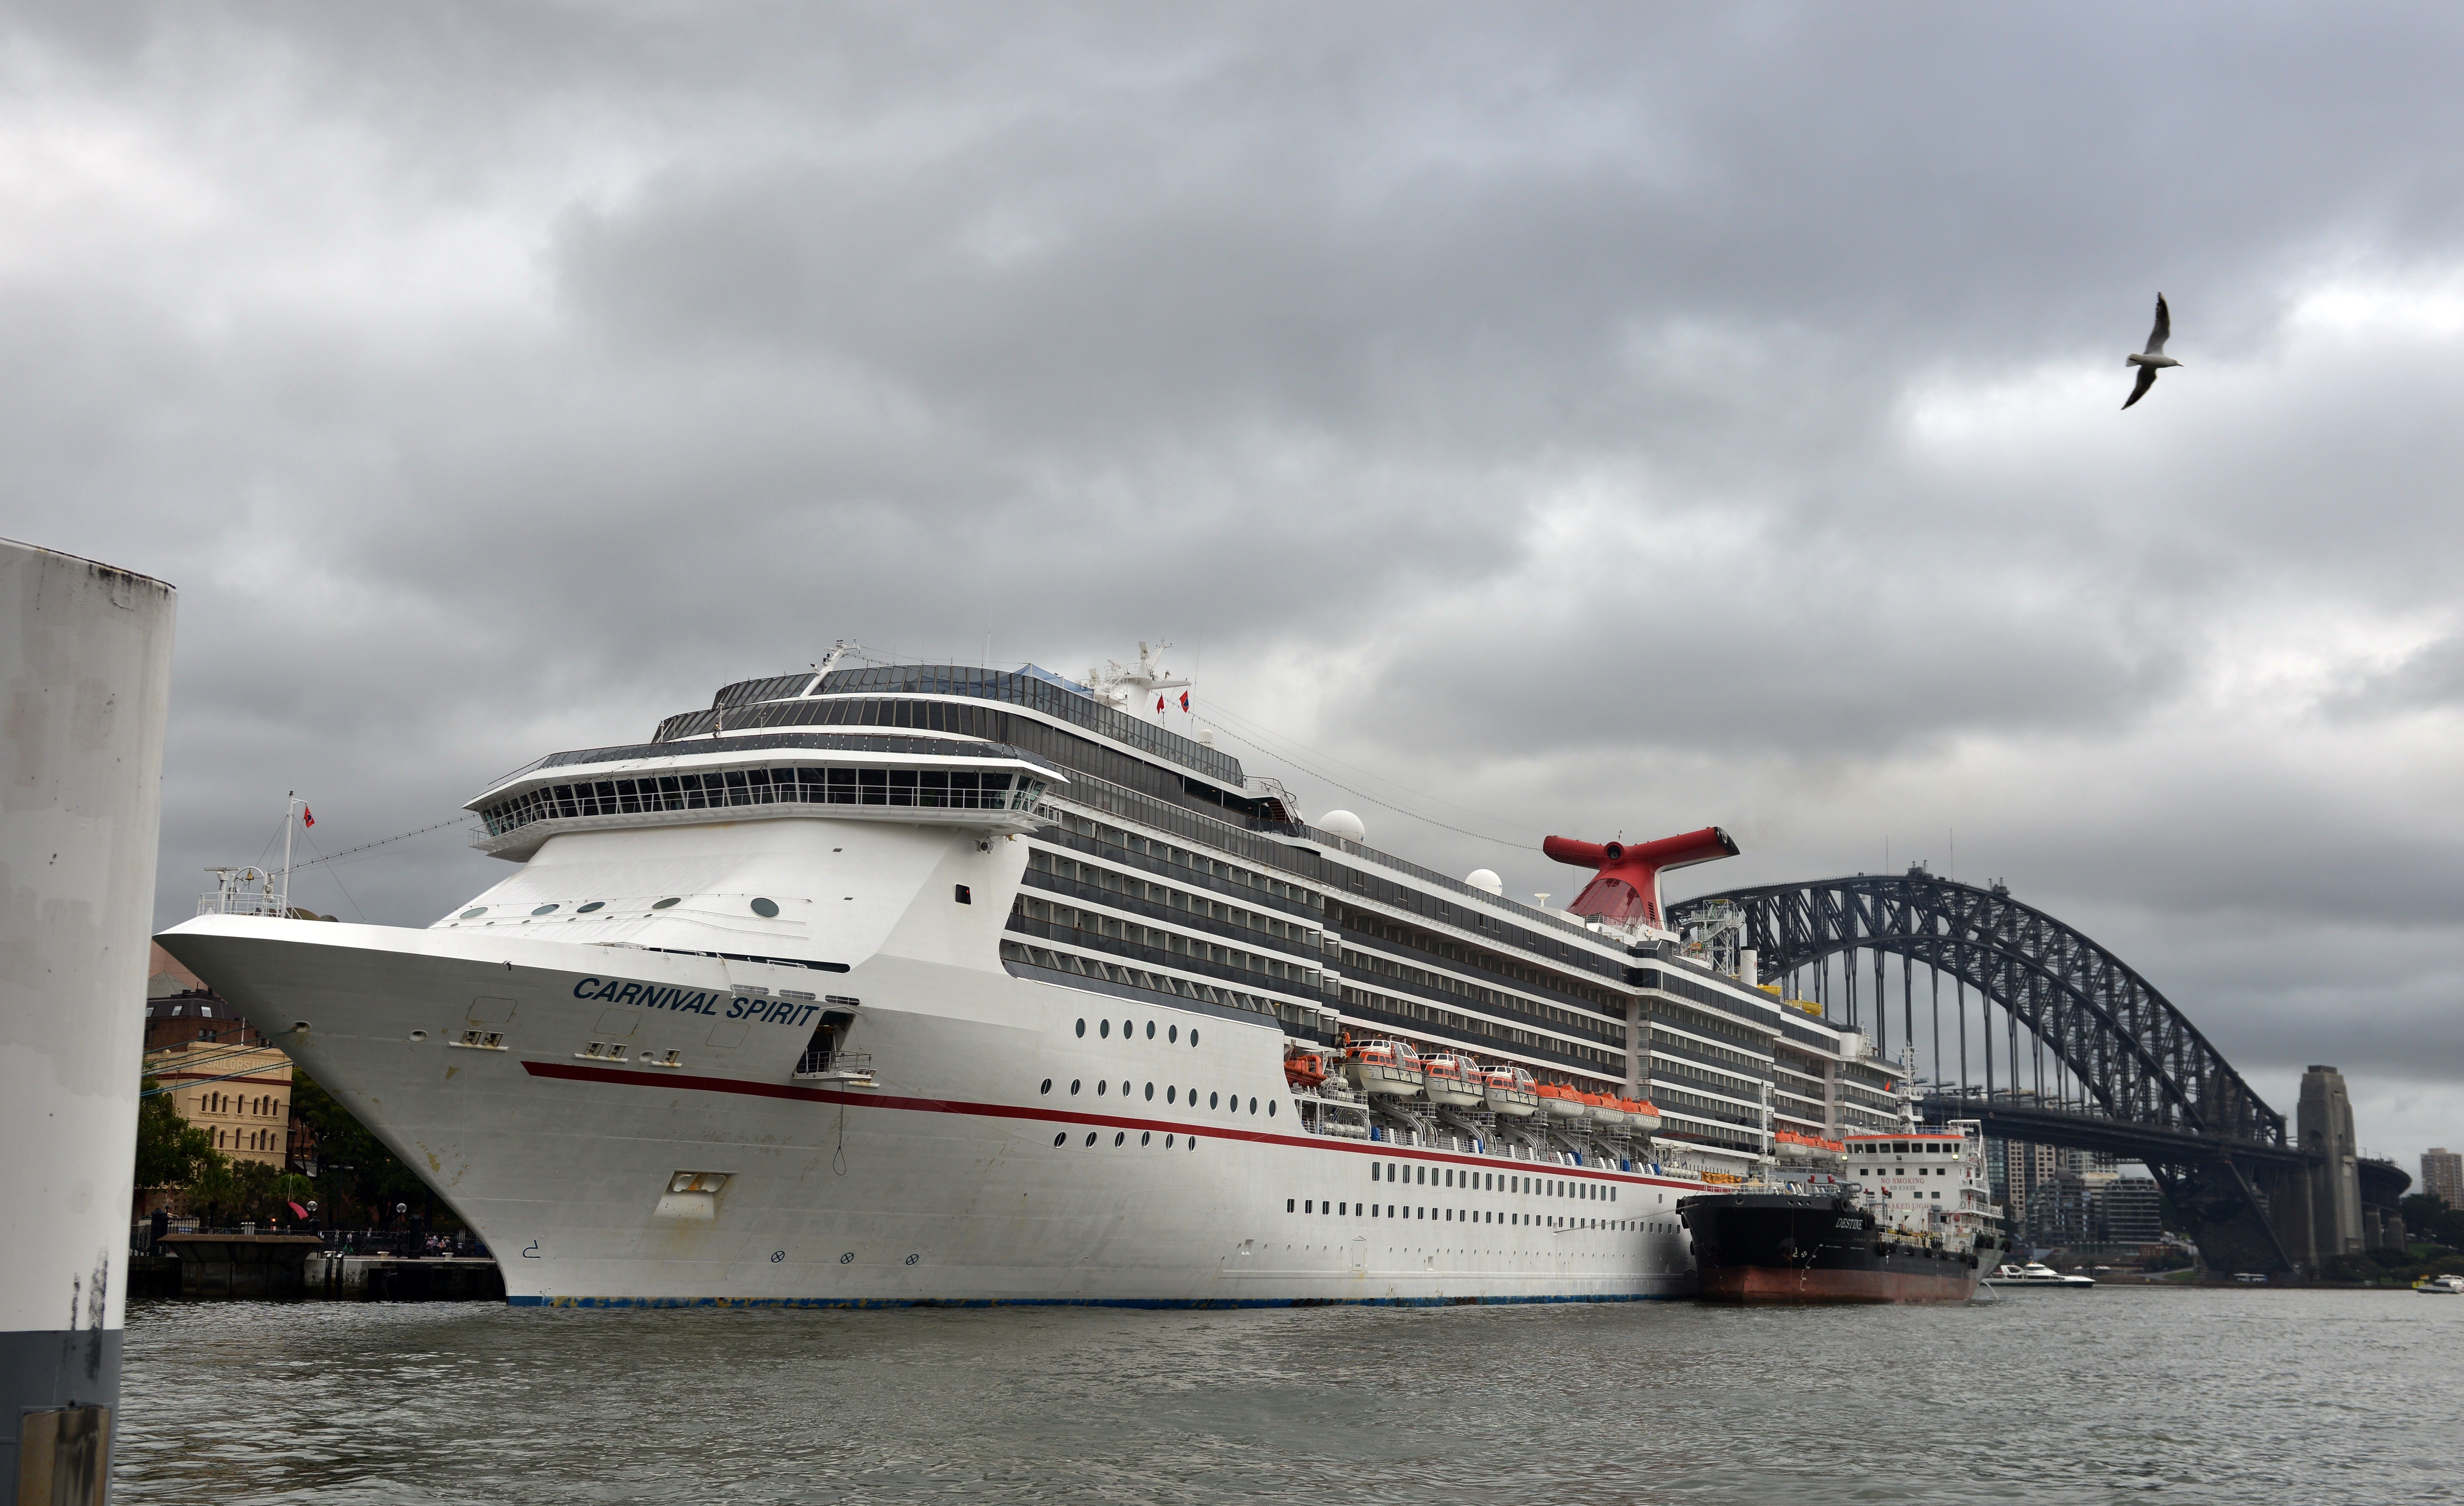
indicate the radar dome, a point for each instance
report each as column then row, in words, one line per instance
column 1343, row 824
column 1485, row 879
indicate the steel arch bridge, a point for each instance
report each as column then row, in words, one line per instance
column 2142, row 1079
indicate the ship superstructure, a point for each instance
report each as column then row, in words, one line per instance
column 903, row 983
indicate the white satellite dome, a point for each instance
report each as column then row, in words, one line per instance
column 1343, row 824
column 1485, row 879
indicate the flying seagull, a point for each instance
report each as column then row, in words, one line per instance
column 2149, row 360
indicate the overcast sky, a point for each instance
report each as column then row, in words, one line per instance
column 1584, row 420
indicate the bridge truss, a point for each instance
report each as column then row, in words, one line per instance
column 2111, row 1064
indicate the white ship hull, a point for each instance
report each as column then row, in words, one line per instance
column 943, row 1184
column 1055, row 1045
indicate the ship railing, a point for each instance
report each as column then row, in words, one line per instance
column 825, row 1066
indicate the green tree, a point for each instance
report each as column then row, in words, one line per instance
column 170, row 1151
column 360, row 1179
column 2429, row 1217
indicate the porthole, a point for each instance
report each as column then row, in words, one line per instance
column 1253, row 1105
column 1073, row 1087
column 474, row 912
column 595, row 904
column 1121, row 1139
column 1168, row 1093
column 1270, row 1107
column 1167, row 1143
column 1047, row 1086
column 1173, row 1035
column 1082, row 1029
column 1149, row 1092
column 1287, row 1205
column 1060, row 1138
column 1146, row 1137
column 419, row 1035
column 545, row 909
column 1193, row 1142
column 1211, row 1101
column 1090, row 1137
column 1104, row 1029
column 1125, row 1087
column 668, row 904
column 1129, row 1027
column 766, row 909
column 1193, row 1036
column 1103, row 1085
column 1151, row 1030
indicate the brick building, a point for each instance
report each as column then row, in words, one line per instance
column 225, row 1077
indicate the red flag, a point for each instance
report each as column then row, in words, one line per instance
column 1159, row 703
column 297, row 1209
column 308, row 818
column 1185, row 701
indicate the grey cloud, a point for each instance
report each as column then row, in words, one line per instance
column 1593, row 418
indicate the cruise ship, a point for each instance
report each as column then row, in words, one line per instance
column 905, row 982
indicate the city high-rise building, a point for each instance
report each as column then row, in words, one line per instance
column 2442, row 1175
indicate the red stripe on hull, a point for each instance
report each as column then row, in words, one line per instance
column 1789, row 1284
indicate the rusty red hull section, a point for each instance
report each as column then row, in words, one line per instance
column 1799, row 1284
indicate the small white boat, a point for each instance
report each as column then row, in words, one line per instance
column 1451, row 1081
column 2035, row 1273
column 1511, row 1091
column 1385, row 1069
column 2440, row 1286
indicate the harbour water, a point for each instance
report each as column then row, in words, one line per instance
column 2224, row 1396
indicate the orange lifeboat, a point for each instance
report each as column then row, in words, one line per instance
column 1305, row 1070
column 1562, row 1102
column 1639, row 1114
column 1605, row 1109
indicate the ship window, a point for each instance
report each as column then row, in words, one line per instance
column 545, row 909
column 668, row 904
column 1063, row 1136
column 766, row 909
column 1104, row 1029
column 1253, row 1105
column 1168, row 1093
column 1151, row 1030
column 1103, row 1085
column 1047, row 1086
column 1090, row 1137
column 595, row 904
column 1082, row 1027
column 474, row 912
column 1073, row 1087
column 1167, row 1143
column 1172, row 1036
column 1121, row 1139
column 1129, row 1027
column 1287, row 1205
column 1343, row 1207
column 1149, row 1092
column 1146, row 1137
column 1210, row 1101
column 1192, row 1038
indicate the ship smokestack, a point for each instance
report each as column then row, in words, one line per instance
column 1625, row 882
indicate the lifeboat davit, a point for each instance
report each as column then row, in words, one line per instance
column 1305, row 1070
column 1451, row 1081
column 1386, row 1069
column 1563, row 1102
column 1509, row 1091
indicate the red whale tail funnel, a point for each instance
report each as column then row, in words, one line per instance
column 1625, row 887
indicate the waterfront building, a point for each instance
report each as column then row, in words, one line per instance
column 224, row 1076
column 2442, row 1175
